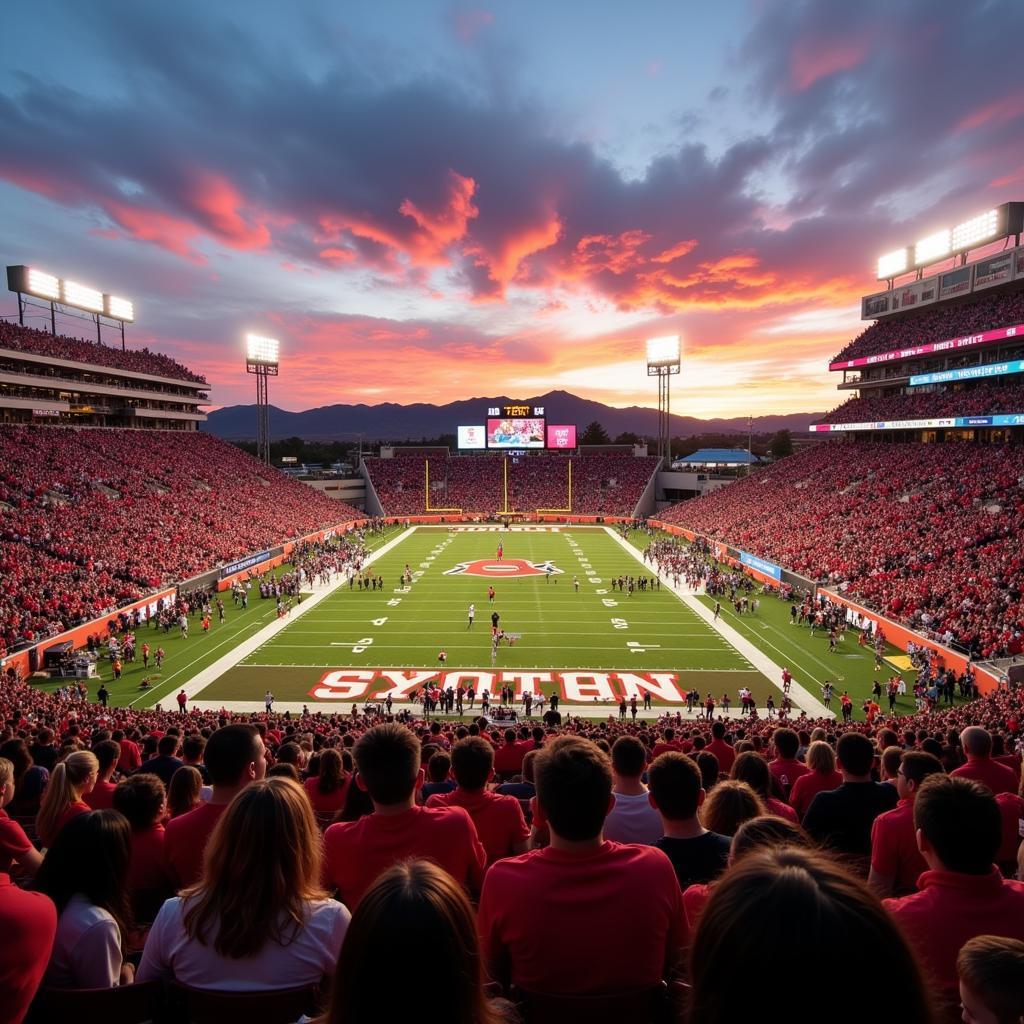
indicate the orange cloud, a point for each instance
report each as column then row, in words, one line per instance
column 441, row 228
column 676, row 251
column 175, row 234
column 616, row 253
column 220, row 203
column 504, row 262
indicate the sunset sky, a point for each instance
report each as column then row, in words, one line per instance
column 434, row 201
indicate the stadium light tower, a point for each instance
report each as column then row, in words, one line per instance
column 261, row 358
column 663, row 362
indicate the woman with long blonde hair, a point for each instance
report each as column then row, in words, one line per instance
column 258, row 918
column 70, row 780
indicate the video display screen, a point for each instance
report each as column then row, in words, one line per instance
column 561, row 436
column 472, row 438
column 515, row 433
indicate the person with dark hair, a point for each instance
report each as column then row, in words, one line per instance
column 499, row 820
column 108, row 753
column 981, row 766
column 632, row 819
column 619, row 924
column 783, row 906
column 842, row 818
column 524, row 790
column 962, row 894
column 28, row 924
column 235, row 756
column 258, row 919
column 327, row 789
column 752, row 768
column 84, row 874
column 729, row 805
column 439, row 774
column 166, row 763
column 991, row 976
column 414, row 906
column 15, row 846
column 896, row 862
column 697, row 855
column 785, row 768
column 141, row 798
column 185, row 791
column 388, row 769
column 722, row 750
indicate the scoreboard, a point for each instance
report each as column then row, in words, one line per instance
column 517, row 427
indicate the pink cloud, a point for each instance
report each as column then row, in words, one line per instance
column 814, row 58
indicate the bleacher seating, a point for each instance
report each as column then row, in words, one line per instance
column 932, row 535
column 27, row 339
column 976, row 399
column 939, row 323
column 93, row 518
column 602, row 484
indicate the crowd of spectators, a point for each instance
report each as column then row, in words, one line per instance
column 93, row 518
column 931, row 535
column 58, row 346
column 939, row 323
column 601, row 484
column 596, row 868
column 980, row 399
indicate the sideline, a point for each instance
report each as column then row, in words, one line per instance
column 801, row 697
column 202, row 679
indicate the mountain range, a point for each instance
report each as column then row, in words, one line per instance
column 392, row 422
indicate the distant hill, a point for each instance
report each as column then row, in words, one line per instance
column 391, row 422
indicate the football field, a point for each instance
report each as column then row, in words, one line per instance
column 566, row 629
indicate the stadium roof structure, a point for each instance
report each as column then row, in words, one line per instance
column 717, row 457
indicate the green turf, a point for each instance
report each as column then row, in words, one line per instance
column 595, row 629
column 186, row 657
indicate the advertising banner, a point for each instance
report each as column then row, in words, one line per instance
column 472, row 438
column 767, row 568
column 968, row 373
column 561, row 436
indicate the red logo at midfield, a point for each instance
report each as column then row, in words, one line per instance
column 505, row 569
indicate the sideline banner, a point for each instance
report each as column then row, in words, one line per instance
column 762, row 566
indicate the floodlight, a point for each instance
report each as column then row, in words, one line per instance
column 120, row 309
column 83, row 297
column 41, row 284
column 663, row 351
column 262, row 350
column 976, row 230
column 932, row 248
column 893, row 263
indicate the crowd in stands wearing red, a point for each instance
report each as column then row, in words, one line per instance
column 972, row 400
column 601, row 485
column 905, row 850
column 58, row 346
column 93, row 518
column 927, row 326
column 930, row 534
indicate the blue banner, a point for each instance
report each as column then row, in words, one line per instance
column 243, row 564
column 767, row 568
column 968, row 373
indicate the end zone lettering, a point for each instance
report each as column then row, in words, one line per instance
column 581, row 687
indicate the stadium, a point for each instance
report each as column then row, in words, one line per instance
column 572, row 727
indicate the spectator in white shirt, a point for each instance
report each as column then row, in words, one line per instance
column 632, row 819
column 258, row 918
column 85, row 874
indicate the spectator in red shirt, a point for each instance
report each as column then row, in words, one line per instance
column 991, row 973
column 786, row 906
column 752, row 769
column 185, row 791
column 15, row 846
column 786, row 769
column 499, row 820
column 632, row 819
column 821, row 760
column 28, row 923
column 235, row 756
column 896, row 862
column 141, row 798
column 131, row 755
column 977, row 744
column 962, row 894
column 108, row 753
column 667, row 743
column 387, row 761
column 508, row 758
column 584, row 915
column 71, row 780
column 412, row 908
column 326, row 790
column 725, row 752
